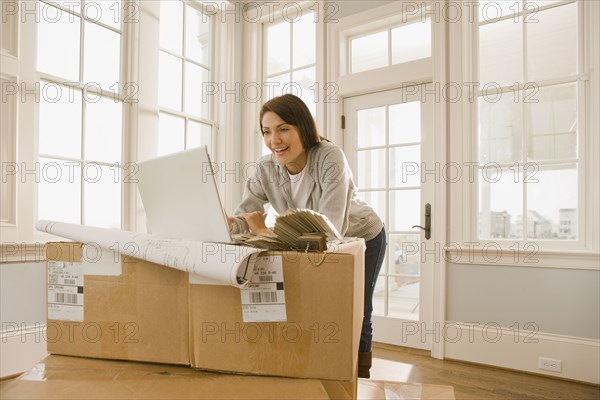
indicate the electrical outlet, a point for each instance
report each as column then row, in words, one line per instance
column 550, row 364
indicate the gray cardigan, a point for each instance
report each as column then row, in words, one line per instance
column 331, row 188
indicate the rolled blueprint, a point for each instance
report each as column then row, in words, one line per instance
column 222, row 263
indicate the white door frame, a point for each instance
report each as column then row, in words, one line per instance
column 434, row 70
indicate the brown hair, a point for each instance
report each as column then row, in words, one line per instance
column 292, row 110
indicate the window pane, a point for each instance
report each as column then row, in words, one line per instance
column 305, row 40
column 58, row 42
column 371, row 127
column 371, row 163
column 496, row 9
column 405, row 206
column 552, row 203
column 500, row 203
column 377, row 200
column 403, row 298
column 74, row 5
column 102, row 196
column 169, row 81
column 405, row 166
column 304, row 79
column 103, row 130
column 404, row 264
column 411, row 42
column 170, row 134
column 59, row 191
column 60, row 120
column 501, row 53
column 553, row 123
column 101, row 57
column 197, row 36
column 106, row 11
column 278, row 48
column 500, row 129
column 275, row 86
column 195, row 76
column 198, row 134
column 405, row 123
column 552, row 43
column 404, row 254
column 369, row 52
column 171, row 26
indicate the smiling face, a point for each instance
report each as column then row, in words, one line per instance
column 284, row 141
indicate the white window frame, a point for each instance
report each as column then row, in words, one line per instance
column 464, row 244
column 124, row 95
column 145, row 129
column 254, row 71
column 397, row 76
column 210, row 120
column 21, row 59
column 139, row 57
column 291, row 69
column 8, row 118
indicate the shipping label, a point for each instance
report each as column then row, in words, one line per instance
column 263, row 299
column 65, row 291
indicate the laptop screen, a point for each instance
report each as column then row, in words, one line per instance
column 180, row 196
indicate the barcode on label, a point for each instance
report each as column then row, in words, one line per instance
column 70, row 282
column 265, row 278
column 263, row 297
column 69, row 298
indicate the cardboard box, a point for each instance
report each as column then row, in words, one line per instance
column 375, row 390
column 140, row 311
column 101, row 307
column 61, row 377
column 319, row 335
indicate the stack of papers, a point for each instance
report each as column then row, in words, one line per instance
column 267, row 240
column 288, row 229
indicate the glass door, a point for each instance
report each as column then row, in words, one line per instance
column 387, row 140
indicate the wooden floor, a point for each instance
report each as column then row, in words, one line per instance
column 472, row 381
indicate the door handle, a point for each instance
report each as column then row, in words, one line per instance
column 427, row 228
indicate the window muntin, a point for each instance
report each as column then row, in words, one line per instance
column 528, row 120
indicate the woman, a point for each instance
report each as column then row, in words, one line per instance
column 307, row 171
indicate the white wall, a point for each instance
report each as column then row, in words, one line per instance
column 22, row 316
column 512, row 316
column 349, row 7
column 558, row 301
column 23, row 293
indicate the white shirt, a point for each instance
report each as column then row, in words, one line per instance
column 299, row 190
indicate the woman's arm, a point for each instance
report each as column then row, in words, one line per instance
column 337, row 188
column 253, row 200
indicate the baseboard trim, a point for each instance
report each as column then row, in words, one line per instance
column 520, row 350
column 401, row 349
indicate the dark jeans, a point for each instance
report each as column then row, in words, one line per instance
column 374, row 255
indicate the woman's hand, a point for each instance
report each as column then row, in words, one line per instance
column 255, row 221
column 230, row 222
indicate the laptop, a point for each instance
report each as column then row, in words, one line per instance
column 180, row 196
